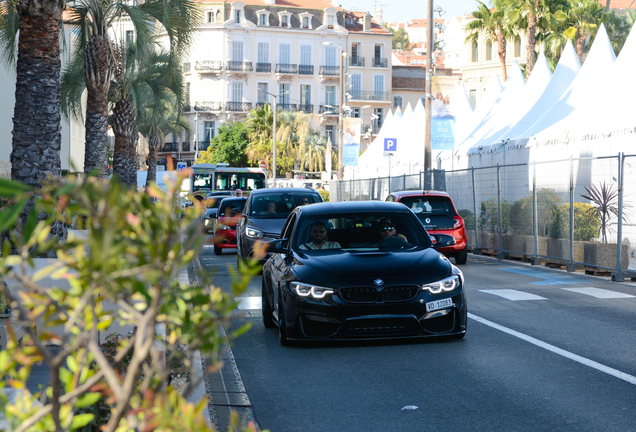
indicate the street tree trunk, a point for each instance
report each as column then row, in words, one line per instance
column 154, row 141
column 501, row 49
column 579, row 46
column 123, row 126
column 37, row 134
column 99, row 64
column 532, row 41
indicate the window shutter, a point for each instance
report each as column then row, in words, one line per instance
column 305, row 55
column 237, row 51
column 285, row 54
column 331, row 56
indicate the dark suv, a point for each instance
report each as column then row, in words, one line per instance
column 438, row 214
column 265, row 213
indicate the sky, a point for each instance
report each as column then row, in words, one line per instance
column 406, row 10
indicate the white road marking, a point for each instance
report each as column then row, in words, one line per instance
column 513, row 295
column 577, row 358
column 599, row 293
column 249, row 303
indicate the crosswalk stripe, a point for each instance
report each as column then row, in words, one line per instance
column 599, row 293
column 249, row 303
column 513, row 295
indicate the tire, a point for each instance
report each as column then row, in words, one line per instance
column 461, row 257
column 217, row 250
column 268, row 322
column 282, row 327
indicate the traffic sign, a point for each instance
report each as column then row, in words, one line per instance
column 181, row 165
column 262, row 164
column 390, row 144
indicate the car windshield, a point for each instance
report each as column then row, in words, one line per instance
column 215, row 201
column 277, row 205
column 359, row 232
column 231, row 207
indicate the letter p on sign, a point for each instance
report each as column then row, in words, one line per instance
column 390, row 144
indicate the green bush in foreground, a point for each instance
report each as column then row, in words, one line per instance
column 123, row 273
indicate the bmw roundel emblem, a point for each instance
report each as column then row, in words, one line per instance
column 427, row 220
column 378, row 282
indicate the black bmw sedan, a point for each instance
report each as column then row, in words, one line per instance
column 361, row 271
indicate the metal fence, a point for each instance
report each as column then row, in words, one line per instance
column 540, row 211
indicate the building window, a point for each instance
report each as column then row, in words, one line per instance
column 237, row 16
column 262, row 19
column 305, row 94
column 284, row 54
column 355, row 113
column 129, row 37
column 263, row 52
column 473, row 98
column 262, row 97
column 330, row 21
column 305, row 22
column 379, row 118
column 488, row 50
column 208, row 131
column 305, row 55
column 284, row 97
column 210, row 17
column 237, row 51
column 517, row 47
column 330, row 95
column 284, row 20
column 474, row 52
column 397, row 101
column 329, row 134
column 237, row 92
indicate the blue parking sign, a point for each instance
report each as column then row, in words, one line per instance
column 390, row 144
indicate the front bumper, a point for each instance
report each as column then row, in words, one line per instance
column 332, row 318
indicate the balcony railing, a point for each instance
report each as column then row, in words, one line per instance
column 187, row 108
column 356, row 61
column 306, row 108
column 187, row 67
column 328, row 109
column 169, row 147
column 209, row 65
column 379, row 62
column 185, row 146
column 202, row 145
column 238, row 106
column 286, row 68
column 208, row 106
column 330, row 70
column 305, row 69
column 238, row 66
column 369, row 95
column 263, row 67
column 287, row 106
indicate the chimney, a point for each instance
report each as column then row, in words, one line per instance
column 366, row 22
column 378, row 16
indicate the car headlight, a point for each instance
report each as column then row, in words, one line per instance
column 222, row 226
column 445, row 285
column 307, row 290
column 254, row 233
column 207, row 220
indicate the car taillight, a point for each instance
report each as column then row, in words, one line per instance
column 458, row 222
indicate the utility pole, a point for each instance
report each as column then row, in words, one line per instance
column 428, row 142
column 340, row 121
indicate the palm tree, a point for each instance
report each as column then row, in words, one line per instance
column 495, row 25
column 35, row 150
column 93, row 18
column 311, row 153
column 580, row 22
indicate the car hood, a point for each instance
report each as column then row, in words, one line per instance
column 269, row 226
column 345, row 268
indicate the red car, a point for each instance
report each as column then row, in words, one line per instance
column 438, row 214
column 229, row 212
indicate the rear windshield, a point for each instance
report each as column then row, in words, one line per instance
column 435, row 212
column 362, row 231
column 213, row 202
column 228, row 205
column 278, row 206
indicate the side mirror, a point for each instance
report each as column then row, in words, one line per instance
column 278, row 246
column 442, row 240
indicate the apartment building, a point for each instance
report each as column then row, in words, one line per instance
column 251, row 52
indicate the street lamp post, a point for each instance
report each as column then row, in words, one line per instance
column 343, row 55
column 428, row 139
column 273, row 134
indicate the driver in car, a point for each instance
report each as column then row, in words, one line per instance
column 318, row 234
column 387, row 229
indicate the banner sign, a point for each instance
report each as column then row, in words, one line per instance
column 351, row 140
column 443, row 117
column 328, row 158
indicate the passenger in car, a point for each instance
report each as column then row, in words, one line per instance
column 387, row 229
column 271, row 208
column 318, row 234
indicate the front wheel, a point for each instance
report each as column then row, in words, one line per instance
column 461, row 257
column 217, row 250
column 266, row 307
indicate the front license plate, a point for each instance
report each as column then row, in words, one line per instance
column 439, row 304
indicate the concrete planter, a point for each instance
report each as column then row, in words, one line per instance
column 604, row 255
